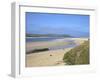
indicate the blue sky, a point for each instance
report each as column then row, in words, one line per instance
column 47, row 23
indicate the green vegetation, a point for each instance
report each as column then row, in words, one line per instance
column 47, row 35
column 78, row 55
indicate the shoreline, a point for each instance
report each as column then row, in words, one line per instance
column 51, row 57
column 54, row 43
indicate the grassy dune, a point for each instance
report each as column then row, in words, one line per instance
column 78, row 55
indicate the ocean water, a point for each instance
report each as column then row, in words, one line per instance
column 37, row 39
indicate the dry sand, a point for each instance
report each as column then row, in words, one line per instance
column 49, row 58
column 79, row 40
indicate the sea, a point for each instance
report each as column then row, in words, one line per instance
column 38, row 39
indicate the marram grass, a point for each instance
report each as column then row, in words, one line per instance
column 78, row 55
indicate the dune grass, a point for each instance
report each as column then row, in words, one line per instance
column 78, row 55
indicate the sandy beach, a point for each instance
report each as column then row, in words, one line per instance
column 51, row 57
column 47, row 58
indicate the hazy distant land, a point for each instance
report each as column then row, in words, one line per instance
column 47, row 35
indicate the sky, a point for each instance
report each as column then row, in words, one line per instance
column 50, row 23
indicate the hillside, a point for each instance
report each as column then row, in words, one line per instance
column 78, row 55
column 47, row 35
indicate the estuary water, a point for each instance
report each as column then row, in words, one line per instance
column 70, row 42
